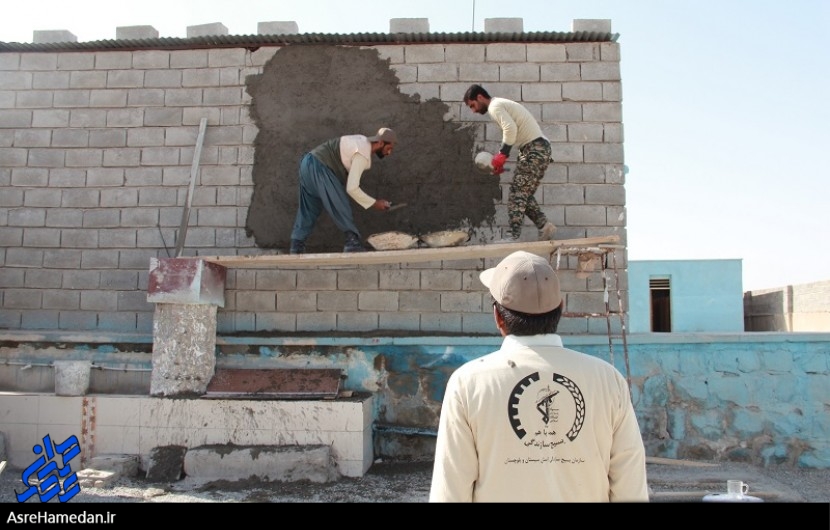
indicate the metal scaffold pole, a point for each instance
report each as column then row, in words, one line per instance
column 194, row 171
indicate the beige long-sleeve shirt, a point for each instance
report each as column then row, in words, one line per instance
column 359, row 164
column 517, row 124
column 537, row 422
column 355, row 151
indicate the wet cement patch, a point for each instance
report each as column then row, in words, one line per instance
column 308, row 94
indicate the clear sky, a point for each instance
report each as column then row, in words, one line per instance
column 725, row 106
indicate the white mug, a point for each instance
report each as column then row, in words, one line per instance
column 736, row 488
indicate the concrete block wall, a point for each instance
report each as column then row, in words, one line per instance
column 804, row 307
column 96, row 149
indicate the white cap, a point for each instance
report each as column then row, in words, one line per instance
column 524, row 282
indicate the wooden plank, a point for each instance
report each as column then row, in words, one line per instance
column 676, row 462
column 703, row 491
column 495, row 250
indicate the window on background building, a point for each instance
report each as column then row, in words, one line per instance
column 660, row 297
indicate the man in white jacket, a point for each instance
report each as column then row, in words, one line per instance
column 534, row 421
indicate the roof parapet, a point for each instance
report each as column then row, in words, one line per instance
column 396, row 25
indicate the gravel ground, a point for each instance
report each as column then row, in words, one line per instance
column 408, row 482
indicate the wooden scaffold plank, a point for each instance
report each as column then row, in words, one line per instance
column 496, row 250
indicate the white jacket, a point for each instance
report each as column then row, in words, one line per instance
column 537, row 422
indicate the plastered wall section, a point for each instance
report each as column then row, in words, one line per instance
column 96, row 150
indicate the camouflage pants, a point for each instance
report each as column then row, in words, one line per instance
column 534, row 159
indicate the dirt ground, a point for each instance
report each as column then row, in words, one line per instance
column 408, row 482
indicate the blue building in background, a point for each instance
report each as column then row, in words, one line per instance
column 685, row 296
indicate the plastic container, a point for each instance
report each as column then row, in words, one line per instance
column 72, row 377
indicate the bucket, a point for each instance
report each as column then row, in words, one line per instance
column 72, row 377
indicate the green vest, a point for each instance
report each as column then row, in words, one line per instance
column 328, row 153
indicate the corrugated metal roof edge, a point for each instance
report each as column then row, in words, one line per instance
column 351, row 39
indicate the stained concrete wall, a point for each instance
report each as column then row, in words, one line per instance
column 804, row 307
column 749, row 397
column 96, row 150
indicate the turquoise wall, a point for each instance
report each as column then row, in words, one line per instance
column 762, row 398
column 706, row 295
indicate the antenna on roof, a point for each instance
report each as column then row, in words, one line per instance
column 473, row 28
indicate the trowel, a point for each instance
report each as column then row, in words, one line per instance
column 396, row 207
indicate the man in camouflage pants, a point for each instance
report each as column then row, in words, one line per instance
column 518, row 128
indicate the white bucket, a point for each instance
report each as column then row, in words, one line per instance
column 72, row 377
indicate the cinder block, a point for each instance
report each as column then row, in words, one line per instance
column 602, row 25
column 53, row 35
column 409, row 25
column 207, row 30
column 136, row 32
column 503, row 25
column 277, row 28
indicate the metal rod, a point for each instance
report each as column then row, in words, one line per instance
column 622, row 320
column 194, row 170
